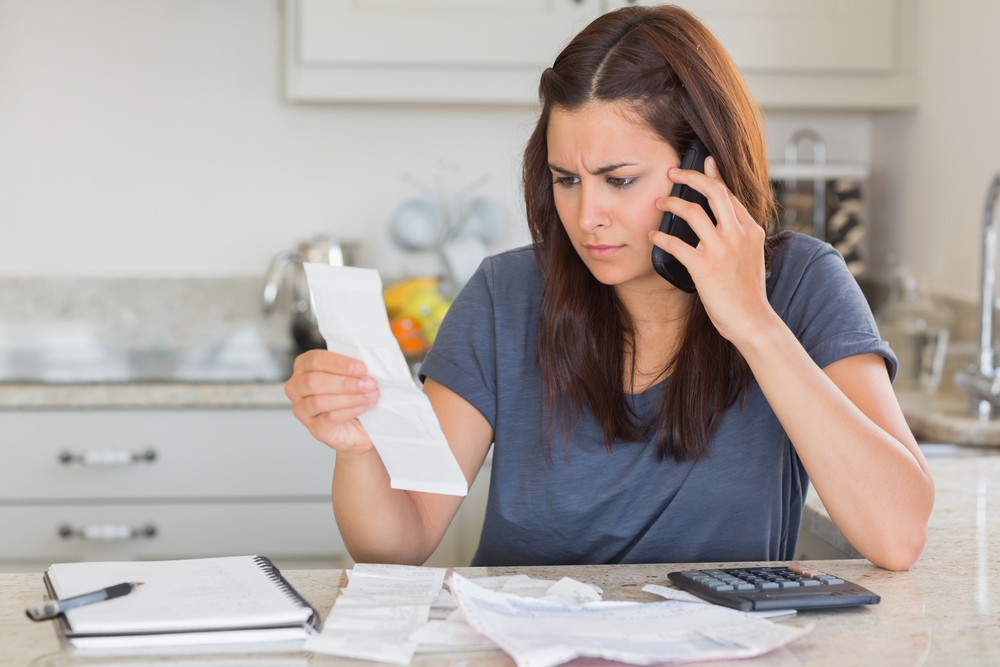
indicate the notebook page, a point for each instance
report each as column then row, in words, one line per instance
column 198, row 594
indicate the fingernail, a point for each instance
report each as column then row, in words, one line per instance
column 372, row 395
column 710, row 162
column 354, row 368
column 367, row 383
column 673, row 169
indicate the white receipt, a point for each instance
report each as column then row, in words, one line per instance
column 406, row 432
column 540, row 633
column 375, row 615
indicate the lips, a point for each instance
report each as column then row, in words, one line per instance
column 600, row 251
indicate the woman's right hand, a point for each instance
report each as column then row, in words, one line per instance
column 328, row 391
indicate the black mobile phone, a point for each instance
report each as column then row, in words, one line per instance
column 665, row 263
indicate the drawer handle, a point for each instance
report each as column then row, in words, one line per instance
column 107, row 458
column 107, row 532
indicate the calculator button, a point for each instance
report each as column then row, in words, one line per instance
column 767, row 584
column 743, row 586
column 832, row 580
column 789, row 584
column 809, row 582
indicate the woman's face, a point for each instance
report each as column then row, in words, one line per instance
column 608, row 169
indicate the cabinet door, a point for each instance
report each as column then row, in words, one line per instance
column 814, row 36
column 426, row 50
column 154, row 531
column 145, row 454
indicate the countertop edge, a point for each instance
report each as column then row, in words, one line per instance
column 267, row 395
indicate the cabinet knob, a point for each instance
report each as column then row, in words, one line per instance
column 107, row 532
column 107, row 458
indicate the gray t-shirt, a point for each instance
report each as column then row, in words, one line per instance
column 579, row 504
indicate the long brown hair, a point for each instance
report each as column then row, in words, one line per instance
column 673, row 72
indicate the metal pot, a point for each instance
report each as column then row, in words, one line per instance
column 322, row 250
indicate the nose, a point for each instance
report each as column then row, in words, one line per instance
column 593, row 214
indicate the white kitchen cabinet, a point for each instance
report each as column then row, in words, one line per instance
column 177, row 483
column 830, row 54
column 459, row 51
column 856, row 54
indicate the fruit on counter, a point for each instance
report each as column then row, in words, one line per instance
column 408, row 335
column 397, row 294
column 428, row 308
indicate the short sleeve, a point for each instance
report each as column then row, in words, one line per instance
column 820, row 301
column 463, row 357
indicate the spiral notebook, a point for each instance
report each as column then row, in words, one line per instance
column 233, row 603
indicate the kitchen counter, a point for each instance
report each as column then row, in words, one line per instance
column 143, row 395
column 943, row 611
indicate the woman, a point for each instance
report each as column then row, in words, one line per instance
column 633, row 422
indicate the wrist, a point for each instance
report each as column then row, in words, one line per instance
column 764, row 336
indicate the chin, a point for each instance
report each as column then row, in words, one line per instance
column 611, row 277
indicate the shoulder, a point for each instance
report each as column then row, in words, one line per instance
column 512, row 273
column 516, row 262
column 793, row 253
column 814, row 293
column 803, row 266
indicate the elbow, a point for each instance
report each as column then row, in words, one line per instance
column 897, row 546
column 901, row 546
column 902, row 553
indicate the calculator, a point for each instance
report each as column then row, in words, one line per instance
column 760, row 588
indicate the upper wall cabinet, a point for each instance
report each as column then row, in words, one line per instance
column 840, row 54
column 464, row 51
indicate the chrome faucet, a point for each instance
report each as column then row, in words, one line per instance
column 982, row 381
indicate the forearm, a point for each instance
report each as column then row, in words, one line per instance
column 877, row 491
column 378, row 524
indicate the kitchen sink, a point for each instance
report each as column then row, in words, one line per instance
column 946, row 418
column 60, row 354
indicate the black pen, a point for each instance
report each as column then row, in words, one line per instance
column 53, row 608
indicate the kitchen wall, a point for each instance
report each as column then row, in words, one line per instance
column 150, row 138
column 933, row 165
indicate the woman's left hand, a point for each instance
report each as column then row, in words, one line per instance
column 727, row 266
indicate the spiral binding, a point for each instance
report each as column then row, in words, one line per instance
column 274, row 574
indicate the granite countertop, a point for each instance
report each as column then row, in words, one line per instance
column 126, row 395
column 943, row 611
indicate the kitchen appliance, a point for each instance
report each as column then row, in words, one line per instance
column 322, row 250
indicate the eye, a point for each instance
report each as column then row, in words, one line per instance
column 566, row 181
column 621, row 182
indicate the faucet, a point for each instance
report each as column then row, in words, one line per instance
column 982, row 381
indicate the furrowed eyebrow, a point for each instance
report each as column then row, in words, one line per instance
column 597, row 172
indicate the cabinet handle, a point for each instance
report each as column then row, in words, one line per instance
column 107, row 458
column 107, row 532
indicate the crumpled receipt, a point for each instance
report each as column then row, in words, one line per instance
column 403, row 427
column 544, row 633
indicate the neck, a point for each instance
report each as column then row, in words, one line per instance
column 653, row 303
column 659, row 313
